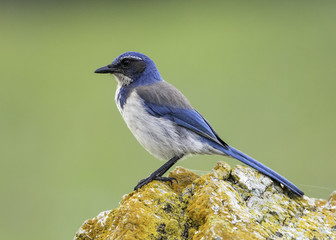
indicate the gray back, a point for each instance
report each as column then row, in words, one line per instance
column 164, row 94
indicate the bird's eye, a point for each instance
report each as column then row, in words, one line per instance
column 125, row 62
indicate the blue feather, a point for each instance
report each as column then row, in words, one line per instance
column 122, row 96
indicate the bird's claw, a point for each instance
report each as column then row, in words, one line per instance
column 147, row 180
column 167, row 179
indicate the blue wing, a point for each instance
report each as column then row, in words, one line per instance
column 187, row 118
column 178, row 110
column 164, row 100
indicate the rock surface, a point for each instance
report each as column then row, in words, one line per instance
column 238, row 203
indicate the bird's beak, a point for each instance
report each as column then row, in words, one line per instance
column 106, row 69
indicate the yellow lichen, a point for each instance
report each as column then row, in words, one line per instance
column 184, row 178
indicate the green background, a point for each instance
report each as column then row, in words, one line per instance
column 262, row 72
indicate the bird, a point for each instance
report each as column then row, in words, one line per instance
column 164, row 122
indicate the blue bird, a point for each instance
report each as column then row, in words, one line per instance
column 164, row 122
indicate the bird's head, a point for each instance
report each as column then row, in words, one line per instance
column 132, row 67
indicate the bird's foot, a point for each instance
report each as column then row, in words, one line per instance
column 147, row 180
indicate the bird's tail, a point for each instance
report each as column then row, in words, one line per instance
column 260, row 167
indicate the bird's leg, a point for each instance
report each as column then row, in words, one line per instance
column 157, row 175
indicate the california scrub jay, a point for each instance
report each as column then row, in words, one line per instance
column 164, row 122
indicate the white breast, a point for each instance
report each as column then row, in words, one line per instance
column 116, row 99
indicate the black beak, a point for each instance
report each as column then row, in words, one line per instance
column 106, row 69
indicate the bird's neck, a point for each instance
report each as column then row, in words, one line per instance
column 123, row 92
column 146, row 78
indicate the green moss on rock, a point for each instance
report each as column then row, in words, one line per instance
column 226, row 203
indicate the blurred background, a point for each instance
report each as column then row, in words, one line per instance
column 262, row 72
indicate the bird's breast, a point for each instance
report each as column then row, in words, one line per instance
column 160, row 136
column 154, row 134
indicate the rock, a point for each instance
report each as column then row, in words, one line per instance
column 226, row 203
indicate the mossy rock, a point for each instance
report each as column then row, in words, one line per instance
column 226, row 203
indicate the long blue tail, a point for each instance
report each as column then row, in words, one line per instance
column 260, row 167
